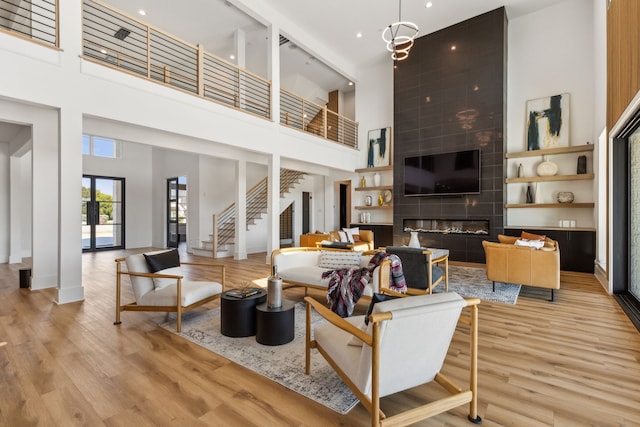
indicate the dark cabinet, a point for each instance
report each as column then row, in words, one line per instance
column 577, row 247
column 382, row 233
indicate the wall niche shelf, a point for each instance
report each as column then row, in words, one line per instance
column 585, row 176
column 373, row 188
column 374, row 207
column 549, row 205
column 375, row 169
column 549, row 151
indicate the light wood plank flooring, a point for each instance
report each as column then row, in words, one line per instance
column 575, row 362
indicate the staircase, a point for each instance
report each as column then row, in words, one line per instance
column 222, row 239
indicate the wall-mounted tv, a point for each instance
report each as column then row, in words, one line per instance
column 442, row 174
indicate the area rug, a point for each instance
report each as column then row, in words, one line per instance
column 472, row 282
column 283, row 364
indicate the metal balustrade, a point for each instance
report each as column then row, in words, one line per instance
column 36, row 20
column 117, row 40
column 128, row 44
column 299, row 113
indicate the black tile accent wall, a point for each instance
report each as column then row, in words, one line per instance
column 450, row 100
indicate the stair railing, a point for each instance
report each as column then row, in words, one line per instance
column 224, row 222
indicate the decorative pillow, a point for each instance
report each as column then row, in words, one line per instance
column 161, row 282
column 352, row 233
column 167, row 262
column 530, row 243
column 162, row 260
column 343, row 236
column 336, row 260
column 356, row 238
column 531, row 236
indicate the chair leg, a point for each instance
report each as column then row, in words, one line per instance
column 494, row 286
column 552, row 296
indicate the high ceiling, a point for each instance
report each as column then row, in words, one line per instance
column 333, row 23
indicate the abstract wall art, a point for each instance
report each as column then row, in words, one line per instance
column 379, row 147
column 547, row 122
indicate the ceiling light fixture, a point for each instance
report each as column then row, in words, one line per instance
column 399, row 36
column 350, row 83
column 359, row 35
column 428, row 5
column 142, row 12
column 232, row 56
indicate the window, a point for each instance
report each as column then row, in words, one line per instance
column 100, row 147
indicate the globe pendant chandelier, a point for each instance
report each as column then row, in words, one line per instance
column 399, row 36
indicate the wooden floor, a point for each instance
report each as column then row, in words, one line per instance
column 575, row 362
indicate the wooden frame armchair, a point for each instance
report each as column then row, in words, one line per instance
column 178, row 297
column 420, row 268
column 398, row 352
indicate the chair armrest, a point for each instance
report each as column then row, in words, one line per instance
column 338, row 321
column 153, row 275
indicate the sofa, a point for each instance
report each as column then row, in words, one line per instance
column 364, row 243
column 508, row 262
column 302, row 267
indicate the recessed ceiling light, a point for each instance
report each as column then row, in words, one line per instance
column 359, row 35
column 142, row 12
column 232, row 56
column 453, row 47
column 103, row 51
column 428, row 5
column 350, row 83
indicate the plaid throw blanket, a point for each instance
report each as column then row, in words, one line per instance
column 345, row 286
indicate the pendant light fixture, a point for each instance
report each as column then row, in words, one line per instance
column 399, row 36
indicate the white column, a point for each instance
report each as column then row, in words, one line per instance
column 70, row 253
column 273, row 205
column 240, row 248
column 239, row 40
column 273, row 67
column 45, row 190
column 70, row 174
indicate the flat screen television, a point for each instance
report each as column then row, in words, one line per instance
column 443, row 174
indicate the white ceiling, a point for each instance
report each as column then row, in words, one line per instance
column 334, row 23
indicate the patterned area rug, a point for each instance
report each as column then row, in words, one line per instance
column 283, row 364
column 472, row 282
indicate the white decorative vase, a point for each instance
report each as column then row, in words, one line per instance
column 414, row 242
column 547, row 168
column 537, row 195
column 376, row 179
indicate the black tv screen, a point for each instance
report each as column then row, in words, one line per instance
column 442, row 174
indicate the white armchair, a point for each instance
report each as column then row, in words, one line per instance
column 164, row 290
column 403, row 346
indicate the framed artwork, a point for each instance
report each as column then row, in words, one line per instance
column 548, row 122
column 379, row 147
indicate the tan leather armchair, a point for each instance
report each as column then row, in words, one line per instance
column 523, row 265
column 365, row 243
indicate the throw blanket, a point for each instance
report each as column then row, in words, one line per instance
column 345, row 285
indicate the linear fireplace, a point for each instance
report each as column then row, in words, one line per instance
column 448, row 226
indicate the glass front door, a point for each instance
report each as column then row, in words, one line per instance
column 102, row 213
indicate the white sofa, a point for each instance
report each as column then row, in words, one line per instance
column 300, row 267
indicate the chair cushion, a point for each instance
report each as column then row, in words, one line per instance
column 335, row 342
column 163, row 282
column 192, row 291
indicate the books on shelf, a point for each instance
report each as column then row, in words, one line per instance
column 242, row 293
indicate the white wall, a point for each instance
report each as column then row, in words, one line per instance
column 135, row 167
column 551, row 52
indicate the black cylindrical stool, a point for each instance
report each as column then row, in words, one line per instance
column 25, row 277
column 238, row 315
column 275, row 326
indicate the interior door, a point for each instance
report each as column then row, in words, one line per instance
column 102, row 213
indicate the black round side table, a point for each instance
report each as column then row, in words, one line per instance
column 238, row 315
column 275, row 326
